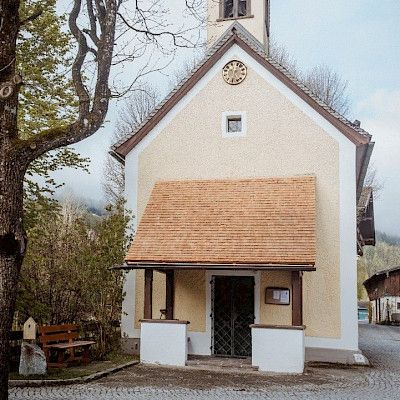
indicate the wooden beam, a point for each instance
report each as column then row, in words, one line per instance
column 148, row 294
column 165, row 266
column 297, row 298
column 169, row 294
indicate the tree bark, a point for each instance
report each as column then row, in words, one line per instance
column 12, row 250
column 12, row 170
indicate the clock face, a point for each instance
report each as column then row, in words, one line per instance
column 234, row 72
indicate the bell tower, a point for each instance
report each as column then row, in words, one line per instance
column 254, row 15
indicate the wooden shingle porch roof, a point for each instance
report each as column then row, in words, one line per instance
column 221, row 224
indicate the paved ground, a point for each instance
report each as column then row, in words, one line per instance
column 380, row 344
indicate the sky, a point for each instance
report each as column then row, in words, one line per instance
column 359, row 39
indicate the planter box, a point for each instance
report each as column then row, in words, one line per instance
column 163, row 342
column 278, row 348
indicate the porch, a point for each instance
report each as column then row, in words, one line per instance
column 212, row 363
column 234, row 236
column 236, row 305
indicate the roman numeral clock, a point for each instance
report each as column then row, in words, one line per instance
column 234, row 72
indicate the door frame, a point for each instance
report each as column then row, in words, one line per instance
column 209, row 275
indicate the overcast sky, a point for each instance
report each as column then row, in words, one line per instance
column 360, row 39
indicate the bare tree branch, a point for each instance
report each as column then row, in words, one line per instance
column 372, row 180
column 322, row 80
column 92, row 111
column 151, row 35
column 93, row 26
column 137, row 108
column 282, row 56
column 329, row 87
column 83, row 49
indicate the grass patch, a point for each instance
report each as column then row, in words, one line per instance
column 79, row 371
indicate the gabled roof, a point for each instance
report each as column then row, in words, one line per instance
column 234, row 223
column 381, row 275
column 237, row 34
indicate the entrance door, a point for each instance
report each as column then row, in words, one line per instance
column 232, row 315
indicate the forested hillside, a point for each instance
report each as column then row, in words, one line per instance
column 385, row 255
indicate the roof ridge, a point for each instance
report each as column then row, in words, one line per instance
column 261, row 50
column 237, row 29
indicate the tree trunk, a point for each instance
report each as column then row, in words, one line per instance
column 12, row 250
column 16, row 154
column 12, row 169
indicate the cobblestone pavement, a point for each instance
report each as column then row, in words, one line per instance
column 379, row 343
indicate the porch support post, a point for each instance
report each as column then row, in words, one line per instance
column 379, row 309
column 148, row 294
column 169, row 295
column 297, row 298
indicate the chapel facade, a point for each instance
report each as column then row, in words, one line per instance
column 245, row 188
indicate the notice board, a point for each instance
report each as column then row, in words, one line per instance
column 277, row 295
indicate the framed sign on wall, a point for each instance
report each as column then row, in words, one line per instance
column 277, row 295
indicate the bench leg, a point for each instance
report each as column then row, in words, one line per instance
column 71, row 355
column 60, row 360
column 85, row 355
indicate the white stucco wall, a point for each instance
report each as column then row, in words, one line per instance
column 285, row 137
column 278, row 350
column 163, row 343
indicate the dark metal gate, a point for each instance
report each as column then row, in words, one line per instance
column 232, row 315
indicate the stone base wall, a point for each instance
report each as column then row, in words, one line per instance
column 130, row 346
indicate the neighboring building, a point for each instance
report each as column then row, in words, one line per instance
column 365, row 219
column 383, row 290
column 245, row 187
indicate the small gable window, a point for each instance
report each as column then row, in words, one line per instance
column 234, row 124
column 235, row 8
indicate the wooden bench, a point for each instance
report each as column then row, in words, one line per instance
column 61, row 341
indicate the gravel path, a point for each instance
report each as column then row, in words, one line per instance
column 380, row 344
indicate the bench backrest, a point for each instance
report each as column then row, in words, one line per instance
column 58, row 334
